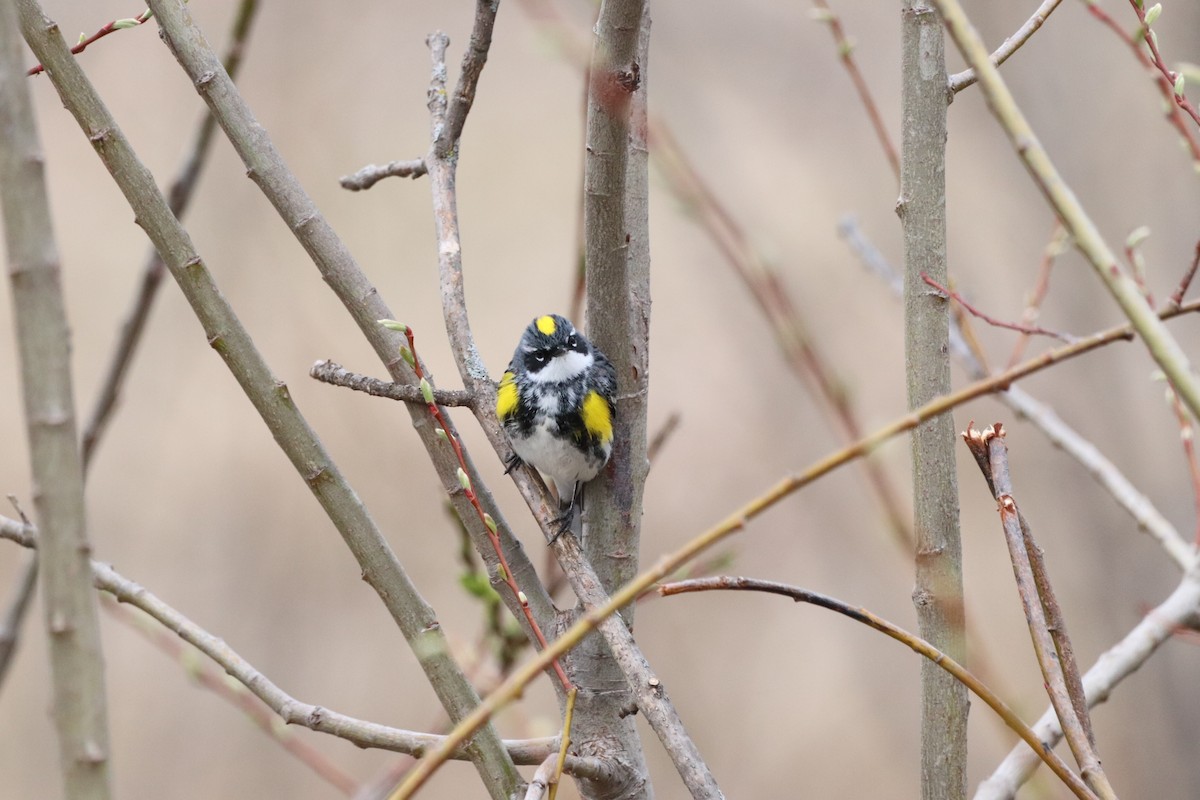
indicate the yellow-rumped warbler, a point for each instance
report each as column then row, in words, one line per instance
column 556, row 405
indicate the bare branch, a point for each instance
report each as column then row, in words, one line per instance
column 1177, row 296
column 1029, row 330
column 1062, row 435
column 961, row 80
column 44, row 354
column 292, row 711
column 1165, row 87
column 916, row 643
column 845, row 50
column 105, row 30
column 1046, row 625
column 15, row 610
column 179, row 196
column 370, row 175
column 1113, row 666
column 474, row 58
column 337, row 375
column 204, row 674
column 229, row 338
column 1163, row 347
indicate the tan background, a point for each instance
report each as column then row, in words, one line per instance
column 190, row 497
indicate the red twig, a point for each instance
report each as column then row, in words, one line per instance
column 1177, row 297
column 1187, row 437
column 846, row 53
column 1055, row 246
column 1170, row 75
column 490, row 524
column 1013, row 326
column 1165, row 85
column 115, row 25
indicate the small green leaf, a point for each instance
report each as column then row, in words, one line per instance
column 123, row 24
column 407, row 355
column 1179, row 83
column 491, row 523
column 463, row 480
column 1153, row 13
column 392, row 325
column 476, row 584
column 426, row 391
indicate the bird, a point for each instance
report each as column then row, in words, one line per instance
column 556, row 405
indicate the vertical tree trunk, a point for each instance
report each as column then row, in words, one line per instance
column 922, row 210
column 43, row 344
column 617, row 256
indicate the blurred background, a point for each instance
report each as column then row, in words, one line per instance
column 190, row 497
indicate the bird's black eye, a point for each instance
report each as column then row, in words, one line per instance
column 540, row 356
column 573, row 342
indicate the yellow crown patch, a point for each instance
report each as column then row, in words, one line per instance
column 546, row 325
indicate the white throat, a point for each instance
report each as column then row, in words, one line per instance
column 562, row 368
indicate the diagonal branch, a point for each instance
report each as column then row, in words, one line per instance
column 1163, row 347
column 362, row 300
column 1042, row 416
column 961, row 80
column 1046, row 627
column 380, row 567
column 179, row 197
column 291, row 711
column 1113, row 666
column 917, row 644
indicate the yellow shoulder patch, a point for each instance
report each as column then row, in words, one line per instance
column 546, row 325
column 506, row 397
column 596, row 416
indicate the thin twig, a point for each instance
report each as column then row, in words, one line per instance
column 371, row 174
column 1176, row 298
column 112, row 27
column 989, row 449
column 1028, row 330
column 1041, row 415
column 505, row 572
column 380, row 567
column 1187, row 437
column 916, row 643
column 474, row 57
column 1170, row 77
column 845, row 48
column 1033, row 306
column 512, row 687
column 663, row 435
column 961, row 80
column 15, row 612
column 801, row 351
column 1163, row 347
column 337, row 375
column 1165, row 87
column 1113, row 666
column 217, row 682
column 564, row 742
column 292, row 711
column 179, row 196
